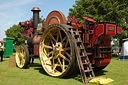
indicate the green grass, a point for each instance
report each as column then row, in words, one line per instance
column 34, row 75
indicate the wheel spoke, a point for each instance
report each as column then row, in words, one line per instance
column 57, row 37
column 23, row 61
column 64, row 57
column 66, row 44
column 46, row 46
column 50, row 53
column 52, row 37
column 60, row 64
column 68, row 48
column 23, row 57
column 55, row 66
column 48, row 59
column 44, row 50
column 61, row 49
column 64, row 49
column 22, row 51
column 52, row 43
column 63, row 39
column 53, row 61
column 19, row 62
column 60, row 35
column 48, row 64
column 68, row 54
column 63, row 64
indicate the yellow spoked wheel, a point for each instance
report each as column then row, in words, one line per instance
column 22, row 56
column 56, row 51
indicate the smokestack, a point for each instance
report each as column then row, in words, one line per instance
column 35, row 11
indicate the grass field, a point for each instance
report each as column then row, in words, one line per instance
column 34, row 75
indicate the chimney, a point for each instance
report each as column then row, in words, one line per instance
column 35, row 11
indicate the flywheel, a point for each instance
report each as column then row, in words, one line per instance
column 56, row 51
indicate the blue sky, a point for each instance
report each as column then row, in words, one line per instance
column 14, row 11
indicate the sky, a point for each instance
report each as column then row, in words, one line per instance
column 14, row 11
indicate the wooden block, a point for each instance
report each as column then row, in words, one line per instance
column 12, row 61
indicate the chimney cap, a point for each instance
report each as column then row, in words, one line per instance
column 36, row 9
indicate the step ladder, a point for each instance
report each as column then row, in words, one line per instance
column 84, row 64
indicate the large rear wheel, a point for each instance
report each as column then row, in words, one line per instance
column 22, row 56
column 56, row 51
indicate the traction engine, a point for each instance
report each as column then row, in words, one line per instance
column 54, row 45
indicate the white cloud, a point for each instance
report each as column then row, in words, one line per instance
column 4, row 15
column 14, row 3
column 11, row 12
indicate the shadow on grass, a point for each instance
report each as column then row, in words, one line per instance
column 3, row 60
column 99, row 73
column 78, row 78
column 38, row 67
column 35, row 65
column 115, row 56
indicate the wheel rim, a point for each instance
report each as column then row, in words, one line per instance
column 20, row 56
column 55, row 51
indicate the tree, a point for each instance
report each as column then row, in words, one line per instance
column 114, row 11
column 15, row 32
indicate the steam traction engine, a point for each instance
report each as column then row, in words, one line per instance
column 63, row 45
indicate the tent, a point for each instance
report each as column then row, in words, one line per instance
column 124, row 50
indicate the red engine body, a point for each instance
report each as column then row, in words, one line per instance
column 96, row 39
column 95, row 36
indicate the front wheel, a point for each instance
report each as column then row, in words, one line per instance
column 22, row 56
